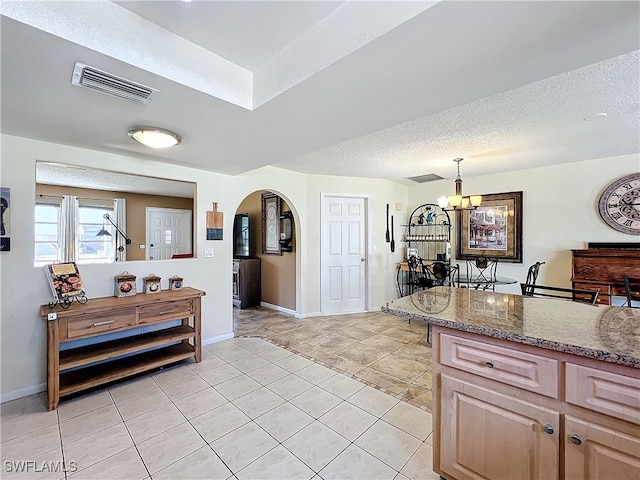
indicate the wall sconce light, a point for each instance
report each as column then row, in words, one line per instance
column 458, row 201
column 155, row 137
column 105, row 232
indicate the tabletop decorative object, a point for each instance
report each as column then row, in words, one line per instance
column 151, row 284
column 125, row 285
column 66, row 284
column 176, row 283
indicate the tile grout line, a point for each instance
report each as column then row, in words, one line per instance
column 350, row 375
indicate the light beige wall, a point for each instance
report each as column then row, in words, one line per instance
column 381, row 262
column 555, row 220
column 560, row 211
column 23, row 287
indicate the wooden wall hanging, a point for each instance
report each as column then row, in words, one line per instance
column 215, row 222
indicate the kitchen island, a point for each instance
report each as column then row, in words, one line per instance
column 530, row 388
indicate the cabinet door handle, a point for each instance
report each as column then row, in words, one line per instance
column 548, row 429
column 489, row 364
column 575, row 439
column 107, row 322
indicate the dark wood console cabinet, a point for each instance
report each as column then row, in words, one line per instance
column 103, row 361
column 246, row 282
column 604, row 270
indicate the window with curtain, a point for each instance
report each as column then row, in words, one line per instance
column 47, row 221
column 66, row 230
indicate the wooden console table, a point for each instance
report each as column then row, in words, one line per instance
column 76, row 369
column 604, row 270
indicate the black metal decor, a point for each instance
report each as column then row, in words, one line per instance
column 393, row 242
column 387, row 235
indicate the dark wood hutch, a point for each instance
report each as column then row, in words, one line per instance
column 604, row 268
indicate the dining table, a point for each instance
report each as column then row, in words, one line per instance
column 480, row 283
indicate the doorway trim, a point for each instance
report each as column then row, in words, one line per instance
column 367, row 243
column 188, row 231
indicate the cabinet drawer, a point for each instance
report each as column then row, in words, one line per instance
column 165, row 311
column 604, row 291
column 520, row 369
column 604, row 392
column 84, row 325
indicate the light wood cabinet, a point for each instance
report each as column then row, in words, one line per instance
column 597, row 452
column 530, row 412
column 489, row 435
column 74, row 369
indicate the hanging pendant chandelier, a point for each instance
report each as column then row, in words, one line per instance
column 459, row 201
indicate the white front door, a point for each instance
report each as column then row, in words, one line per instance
column 344, row 276
column 168, row 232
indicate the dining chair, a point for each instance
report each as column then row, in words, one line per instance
column 573, row 294
column 632, row 292
column 532, row 273
column 481, row 273
column 445, row 275
column 419, row 277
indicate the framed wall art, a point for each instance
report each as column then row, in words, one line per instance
column 5, row 219
column 271, row 224
column 494, row 229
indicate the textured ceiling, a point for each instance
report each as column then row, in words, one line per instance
column 373, row 89
column 58, row 174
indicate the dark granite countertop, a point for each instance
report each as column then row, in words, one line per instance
column 610, row 334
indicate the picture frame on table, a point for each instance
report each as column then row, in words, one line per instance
column 494, row 229
column 271, row 224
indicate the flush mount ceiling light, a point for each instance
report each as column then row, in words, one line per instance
column 155, row 137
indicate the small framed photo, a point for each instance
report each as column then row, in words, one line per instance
column 176, row 283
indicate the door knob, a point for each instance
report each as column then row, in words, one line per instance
column 362, row 259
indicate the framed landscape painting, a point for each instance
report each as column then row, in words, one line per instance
column 494, row 229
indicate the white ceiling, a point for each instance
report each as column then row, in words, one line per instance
column 373, row 89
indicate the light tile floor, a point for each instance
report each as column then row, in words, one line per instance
column 249, row 410
column 383, row 351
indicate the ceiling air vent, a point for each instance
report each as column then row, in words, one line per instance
column 429, row 177
column 100, row 81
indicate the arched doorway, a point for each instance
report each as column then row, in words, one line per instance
column 277, row 260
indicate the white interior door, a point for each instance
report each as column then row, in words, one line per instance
column 344, row 278
column 168, row 232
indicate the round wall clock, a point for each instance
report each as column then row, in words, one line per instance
column 619, row 204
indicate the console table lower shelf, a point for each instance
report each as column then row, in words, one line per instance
column 79, row 368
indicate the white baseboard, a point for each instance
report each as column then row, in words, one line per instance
column 279, row 308
column 219, row 338
column 307, row 315
column 23, row 392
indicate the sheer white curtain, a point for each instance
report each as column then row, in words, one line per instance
column 120, row 219
column 67, row 228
